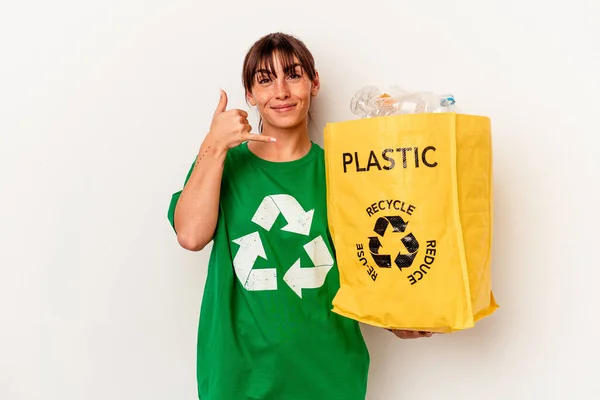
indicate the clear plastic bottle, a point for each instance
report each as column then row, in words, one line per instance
column 367, row 102
column 370, row 101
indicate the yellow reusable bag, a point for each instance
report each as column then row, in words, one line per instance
column 410, row 213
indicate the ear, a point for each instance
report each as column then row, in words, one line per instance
column 250, row 99
column 316, row 84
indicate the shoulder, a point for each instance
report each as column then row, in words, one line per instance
column 318, row 148
column 320, row 152
column 320, row 156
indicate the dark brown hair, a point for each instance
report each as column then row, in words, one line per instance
column 262, row 53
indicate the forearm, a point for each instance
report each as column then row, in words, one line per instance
column 197, row 210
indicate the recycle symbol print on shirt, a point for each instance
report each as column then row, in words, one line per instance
column 299, row 222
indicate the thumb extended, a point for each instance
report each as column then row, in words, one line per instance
column 222, row 106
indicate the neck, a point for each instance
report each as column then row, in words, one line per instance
column 292, row 144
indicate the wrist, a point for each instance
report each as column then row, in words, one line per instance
column 212, row 148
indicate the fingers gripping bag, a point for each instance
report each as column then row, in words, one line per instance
column 410, row 201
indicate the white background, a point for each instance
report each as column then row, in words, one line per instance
column 103, row 105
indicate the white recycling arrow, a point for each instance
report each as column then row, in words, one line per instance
column 299, row 278
column 253, row 279
column 299, row 221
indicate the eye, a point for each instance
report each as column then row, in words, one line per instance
column 295, row 72
column 263, row 79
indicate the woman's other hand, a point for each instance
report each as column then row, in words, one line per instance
column 405, row 334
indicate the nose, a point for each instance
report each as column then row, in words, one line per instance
column 282, row 90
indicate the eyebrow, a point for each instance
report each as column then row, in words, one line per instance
column 262, row 71
column 269, row 72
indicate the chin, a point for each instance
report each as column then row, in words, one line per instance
column 287, row 125
column 287, row 122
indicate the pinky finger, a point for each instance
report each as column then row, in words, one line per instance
column 259, row 138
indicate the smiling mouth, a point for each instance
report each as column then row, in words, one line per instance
column 283, row 108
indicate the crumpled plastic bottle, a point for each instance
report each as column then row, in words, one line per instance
column 370, row 101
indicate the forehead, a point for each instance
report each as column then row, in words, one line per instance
column 277, row 61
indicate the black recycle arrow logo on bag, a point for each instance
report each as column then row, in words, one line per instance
column 402, row 260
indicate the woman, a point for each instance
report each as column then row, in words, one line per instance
column 266, row 330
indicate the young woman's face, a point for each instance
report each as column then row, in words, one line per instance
column 283, row 97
